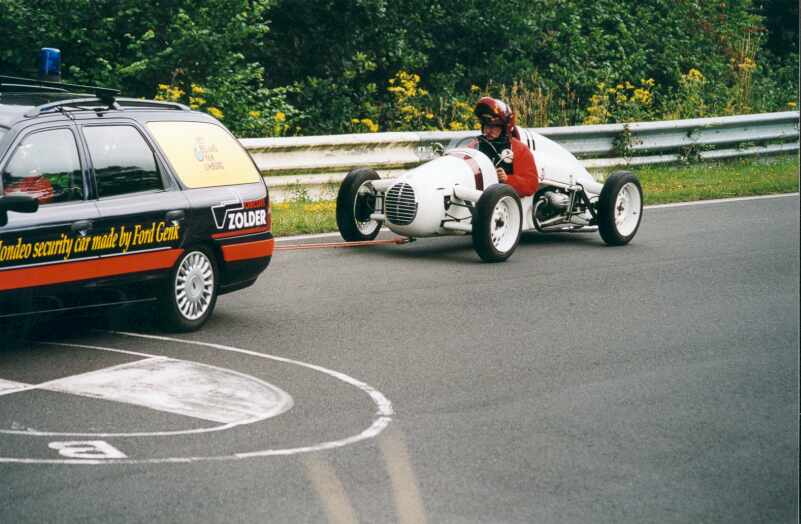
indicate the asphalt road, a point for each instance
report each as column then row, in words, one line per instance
column 656, row 382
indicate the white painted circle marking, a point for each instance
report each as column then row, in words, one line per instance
column 283, row 400
column 383, row 417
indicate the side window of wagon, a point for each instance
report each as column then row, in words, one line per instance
column 123, row 162
column 45, row 165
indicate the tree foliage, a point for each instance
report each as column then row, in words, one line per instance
column 270, row 67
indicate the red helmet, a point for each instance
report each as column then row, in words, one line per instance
column 491, row 111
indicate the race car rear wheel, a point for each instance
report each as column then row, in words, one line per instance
column 497, row 223
column 355, row 203
column 620, row 208
column 192, row 291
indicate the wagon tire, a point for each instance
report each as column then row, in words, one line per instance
column 355, row 203
column 191, row 292
column 620, row 208
column 497, row 223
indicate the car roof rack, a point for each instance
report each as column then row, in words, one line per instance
column 141, row 102
column 115, row 103
column 104, row 94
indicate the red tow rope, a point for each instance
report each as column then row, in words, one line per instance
column 324, row 245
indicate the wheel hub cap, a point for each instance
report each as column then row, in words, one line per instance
column 505, row 219
column 627, row 209
column 194, row 284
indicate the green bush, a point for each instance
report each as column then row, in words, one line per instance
column 277, row 67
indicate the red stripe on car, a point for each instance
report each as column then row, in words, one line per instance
column 470, row 161
column 248, row 250
column 242, row 232
column 88, row 269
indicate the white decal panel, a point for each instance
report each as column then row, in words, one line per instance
column 233, row 215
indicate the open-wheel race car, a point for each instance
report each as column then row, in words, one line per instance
column 458, row 193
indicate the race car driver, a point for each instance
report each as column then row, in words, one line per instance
column 499, row 138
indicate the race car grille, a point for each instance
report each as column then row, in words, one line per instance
column 400, row 206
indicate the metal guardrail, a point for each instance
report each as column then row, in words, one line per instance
column 309, row 164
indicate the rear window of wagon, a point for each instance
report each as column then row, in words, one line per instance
column 203, row 154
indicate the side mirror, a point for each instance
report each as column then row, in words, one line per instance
column 17, row 204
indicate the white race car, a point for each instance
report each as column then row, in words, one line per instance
column 458, row 194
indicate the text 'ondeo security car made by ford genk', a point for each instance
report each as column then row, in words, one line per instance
column 108, row 200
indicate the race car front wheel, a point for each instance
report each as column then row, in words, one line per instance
column 497, row 223
column 355, row 204
column 620, row 208
column 192, row 291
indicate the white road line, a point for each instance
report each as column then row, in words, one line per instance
column 9, row 386
column 184, row 388
column 384, row 405
column 44, row 385
column 721, row 201
column 381, row 421
column 286, row 402
column 110, row 350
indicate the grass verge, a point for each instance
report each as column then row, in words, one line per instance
column 661, row 185
column 706, row 181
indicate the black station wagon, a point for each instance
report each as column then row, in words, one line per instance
column 110, row 201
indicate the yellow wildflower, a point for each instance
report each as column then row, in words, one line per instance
column 195, row 102
column 695, row 75
column 197, row 90
column 280, row 116
column 255, row 114
column 369, row 124
column 747, row 65
column 215, row 112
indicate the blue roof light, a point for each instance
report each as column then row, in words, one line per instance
column 50, row 64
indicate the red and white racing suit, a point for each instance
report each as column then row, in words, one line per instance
column 521, row 172
column 524, row 170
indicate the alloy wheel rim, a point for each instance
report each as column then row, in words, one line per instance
column 194, row 285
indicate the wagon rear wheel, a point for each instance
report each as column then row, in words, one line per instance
column 191, row 292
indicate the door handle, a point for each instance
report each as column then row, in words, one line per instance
column 175, row 216
column 82, row 227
